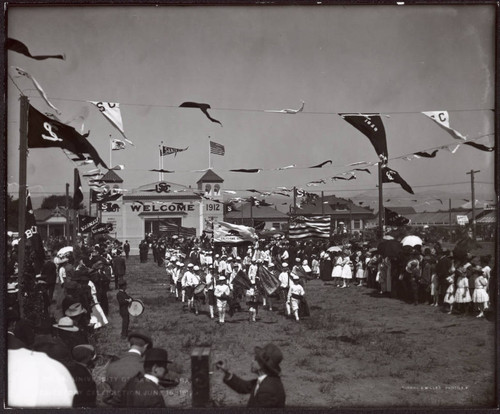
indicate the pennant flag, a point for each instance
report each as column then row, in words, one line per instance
column 394, row 219
column 102, row 228
column 267, row 279
column 216, row 149
column 287, row 111
column 285, row 189
column 283, row 194
column 161, row 170
column 233, row 233
column 353, row 177
column 370, row 125
column 86, row 223
column 362, row 170
column 425, row 154
column 438, row 199
column 111, row 110
column 229, row 192
column 203, row 106
column 241, row 279
column 117, row 144
column 322, row 164
column 315, row 226
column 170, row 150
column 286, row 168
column 314, row 183
column 443, row 120
column 251, row 190
column 79, row 117
column 358, row 163
column 251, row 170
column 103, row 196
column 20, row 47
column 229, row 208
column 392, row 176
column 21, row 72
column 78, row 193
column 32, row 236
column 44, row 132
column 480, row 147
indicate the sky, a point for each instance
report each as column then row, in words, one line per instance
column 244, row 60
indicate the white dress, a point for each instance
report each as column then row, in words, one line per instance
column 97, row 316
column 480, row 295
column 462, row 294
column 337, row 268
column 346, row 269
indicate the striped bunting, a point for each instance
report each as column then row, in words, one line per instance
column 315, row 226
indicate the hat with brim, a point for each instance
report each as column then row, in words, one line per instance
column 221, row 279
column 269, row 357
column 82, row 352
column 157, row 355
column 141, row 335
column 75, row 309
column 294, row 276
column 66, row 324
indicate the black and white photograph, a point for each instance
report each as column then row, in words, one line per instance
column 254, row 205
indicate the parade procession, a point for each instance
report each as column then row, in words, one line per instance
column 315, row 237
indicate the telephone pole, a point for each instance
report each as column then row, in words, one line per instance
column 473, row 201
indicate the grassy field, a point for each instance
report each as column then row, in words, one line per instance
column 357, row 349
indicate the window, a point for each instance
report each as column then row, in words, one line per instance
column 356, row 224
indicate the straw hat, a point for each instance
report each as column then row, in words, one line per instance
column 75, row 309
column 66, row 324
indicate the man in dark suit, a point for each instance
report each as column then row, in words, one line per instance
column 119, row 267
column 124, row 300
column 126, row 248
column 266, row 391
column 129, row 365
column 143, row 389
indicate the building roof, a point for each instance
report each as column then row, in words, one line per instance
column 258, row 213
column 490, row 217
column 210, row 177
column 333, row 205
column 402, row 210
column 111, row 177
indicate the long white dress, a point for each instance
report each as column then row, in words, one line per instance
column 337, row 268
column 97, row 316
column 346, row 268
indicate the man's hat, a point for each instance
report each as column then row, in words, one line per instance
column 229, row 258
column 122, row 283
column 269, row 357
column 180, row 264
column 284, row 264
column 156, row 355
column 221, row 279
column 190, row 265
column 66, row 324
column 196, row 268
column 297, row 259
column 82, row 352
column 141, row 335
column 75, row 309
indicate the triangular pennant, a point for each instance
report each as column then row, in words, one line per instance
column 480, row 147
column 371, row 126
column 78, row 194
column 392, row 176
column 22, row 72
column 111, row 110
column 443, row 120
column 20, row 47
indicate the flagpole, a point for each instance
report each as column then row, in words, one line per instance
column 161, row 162
column 110, row 151
column 23, row 154
column 209, row 158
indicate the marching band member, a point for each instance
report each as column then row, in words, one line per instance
column 295, row 294
column 222, row 293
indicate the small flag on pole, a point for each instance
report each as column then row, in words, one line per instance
column 216, row 149
column 164, row 150
column 117, row 145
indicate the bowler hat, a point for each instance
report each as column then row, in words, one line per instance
column 269, row 357
column 75, row 309
column 156, row 355
column 82, row 352
column 141, row 335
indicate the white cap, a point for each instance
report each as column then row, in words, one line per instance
column 196, row 268
column 190, row 265
column 284, row 265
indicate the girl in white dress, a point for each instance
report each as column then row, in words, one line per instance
column 449, row 296
column 346, row 270
column 480, row 297
column 337, row 268
column 360, row 271
column 462, row 294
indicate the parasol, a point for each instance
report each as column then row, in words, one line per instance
column 412, row 241
column 389, row 248
column 65, row 250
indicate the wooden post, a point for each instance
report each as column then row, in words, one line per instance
column 473, row 201
column 381, row 218
column 68, row 233
column 23, row 151
column 75, row 209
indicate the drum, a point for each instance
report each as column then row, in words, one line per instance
column 199, row 289
column 136, row 307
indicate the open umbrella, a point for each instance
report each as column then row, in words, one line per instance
column 412, row 241
column 65, row 250
column 335, row 249
column 389, row 248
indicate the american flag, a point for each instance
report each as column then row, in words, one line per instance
column 315, row 226
column 217, row 149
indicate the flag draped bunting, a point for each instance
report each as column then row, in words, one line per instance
column 315, row 226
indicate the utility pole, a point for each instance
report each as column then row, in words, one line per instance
column 67, row 215
column 473, row 201
column 381, row 211
column 449, row 214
